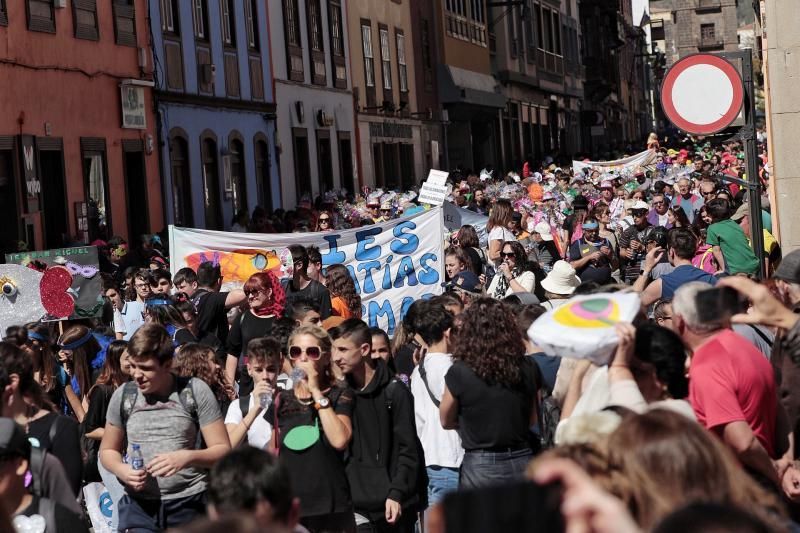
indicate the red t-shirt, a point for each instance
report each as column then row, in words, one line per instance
column 729, row 381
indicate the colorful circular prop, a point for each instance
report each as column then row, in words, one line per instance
column 594, row 313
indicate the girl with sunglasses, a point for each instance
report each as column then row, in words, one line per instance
column 78, row 351
column 312, row 428
column 324, row 221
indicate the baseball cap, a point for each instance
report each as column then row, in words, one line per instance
column 543, row 229
column 789, row 269
column 465, row 281
column 606, row 184
column 13, row 441
column 640, row 205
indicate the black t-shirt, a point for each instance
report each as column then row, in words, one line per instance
column 63, row 519
column 598, row 270
column 99, row 398
column 212, row 316
column 67, row 446
column 246, row 328
column 317, row 473
column 314, row 291
column 475, row 261
column 493, row 416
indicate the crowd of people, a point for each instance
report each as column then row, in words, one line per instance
column 276, row 407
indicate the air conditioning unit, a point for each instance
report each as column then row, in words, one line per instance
column 207, row 73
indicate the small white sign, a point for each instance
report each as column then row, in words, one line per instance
column 434, row 190
column 133, row 112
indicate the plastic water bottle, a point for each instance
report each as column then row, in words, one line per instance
column 137, row 461
column 297, row 374
column 265, row 400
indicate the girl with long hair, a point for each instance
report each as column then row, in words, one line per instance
column 316, row 406
column 467, row 239
column 455, row 261
column 77, row 352
column 28, row 405
column 265, row 302
column 499, row 219
column 324, row 221
column 199, row 361
column 345, row 301
column 602, row 213
column 46, row 371
column 490, row 395
column 115, row 372
column 677, row 217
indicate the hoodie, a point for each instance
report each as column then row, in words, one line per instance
column 383, row 460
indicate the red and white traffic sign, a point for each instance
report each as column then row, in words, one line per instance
column 702, row 94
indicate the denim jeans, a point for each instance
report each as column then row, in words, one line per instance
column 115, row 490
column 441, row 480
column 482, row 468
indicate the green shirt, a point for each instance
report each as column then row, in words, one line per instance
column 739, row 256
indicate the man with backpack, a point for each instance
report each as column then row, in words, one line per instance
column 383, row 461
column 161, row 421
column 203, row 289
column 302, row 287
column 430, row 326
column 28, row 510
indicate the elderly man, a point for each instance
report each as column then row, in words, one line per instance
column 731, row 384
column 658, row 214
column 691, row 203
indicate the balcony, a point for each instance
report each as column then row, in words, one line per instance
column 706, row 43
column 707, row 5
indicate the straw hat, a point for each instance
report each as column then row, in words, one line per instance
column 562, row 279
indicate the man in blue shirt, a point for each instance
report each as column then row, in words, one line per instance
column 681, row 246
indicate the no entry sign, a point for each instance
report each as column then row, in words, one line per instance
column 702, row 94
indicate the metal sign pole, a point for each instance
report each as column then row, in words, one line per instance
column 751, row 161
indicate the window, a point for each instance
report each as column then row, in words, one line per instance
column 336, row 33
column 263, row 172
column 402, row 68
column 84, row 13
column 238, row 176
column 169, row 20
column 124, row 22
column 251, row 23
column 466, row 20
column 386, row 60
column 369, row 58
column 95, row 180
column 226, row 16
column 211, row 196
column 3, row 13
column 315, row 42
column 181, row 180
column 556, row 35
column 200, row 12
column 294, row 47
column 41, row 16
column 707, row 32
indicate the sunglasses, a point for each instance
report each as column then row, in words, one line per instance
column 504, row 254
column 313, row 352
column 324, row 220
column 639, row 212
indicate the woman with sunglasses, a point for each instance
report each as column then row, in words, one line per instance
column 513, row 274
column 312, row 427
column 324, row 221
column 46, row 371
column 265, row 301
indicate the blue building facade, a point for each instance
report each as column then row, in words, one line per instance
column 216, row 109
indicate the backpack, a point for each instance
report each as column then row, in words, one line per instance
column 549, row 416
column 37, row 470
column 486, row 268
column 704, row 259
column 186, row 396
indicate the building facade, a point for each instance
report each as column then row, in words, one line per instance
column 77, row 129
column 316, row 130
column 617, row 107
column 385, row 94
column 536, row 57
column 470, row 96
column 216, row 109
column 680, row 28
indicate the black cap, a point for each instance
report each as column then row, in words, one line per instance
column 789, row 269
column 13, row 441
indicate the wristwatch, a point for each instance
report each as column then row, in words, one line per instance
column 322, row 403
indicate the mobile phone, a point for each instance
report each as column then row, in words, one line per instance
column 518, row 506
column 719, row 304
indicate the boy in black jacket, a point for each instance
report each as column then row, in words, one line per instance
column 383, row 459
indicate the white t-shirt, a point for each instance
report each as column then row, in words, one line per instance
column 527, row 279
column 442, row 446
column 259, row 433
column 499, row 233
column 119, row 322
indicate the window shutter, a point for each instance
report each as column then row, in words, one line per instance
column 85, row 15
column 41, row 16
column 124, row 23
